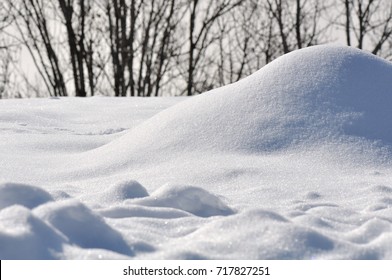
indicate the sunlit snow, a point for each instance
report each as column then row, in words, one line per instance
column 292, row 162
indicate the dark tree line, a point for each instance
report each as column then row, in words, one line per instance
column 171, row 47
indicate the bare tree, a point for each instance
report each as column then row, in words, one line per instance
column 178, row 47
column 347, row 9
column 202, row 18
column 76, row 40
column 5, row 18
column 142, row 44
column 5, row 56
column 95, row 52
column 368, row 22
column 299, row 22
column 32, row 20
column 120, row 41
column 278, row 9
column 249, row 40
column 5, row 72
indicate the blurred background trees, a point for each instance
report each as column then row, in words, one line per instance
column 169, row 47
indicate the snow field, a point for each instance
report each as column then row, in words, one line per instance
column 292, row 162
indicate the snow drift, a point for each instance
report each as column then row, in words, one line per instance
column 292, row 162
column 306, row 98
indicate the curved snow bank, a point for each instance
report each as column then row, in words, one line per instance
column 82, row 226
column 264, row 234
column 25, row 236
column 304, row 98
column 55, row 229
column 191, row 199
column 28, row 196
column 119, row 192
column 267, row 236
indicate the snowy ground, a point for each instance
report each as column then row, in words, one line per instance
column 293, row 162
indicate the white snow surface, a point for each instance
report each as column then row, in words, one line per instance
column 292, row 162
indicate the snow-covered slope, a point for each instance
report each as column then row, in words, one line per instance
column 312, row 96
column 290, row 162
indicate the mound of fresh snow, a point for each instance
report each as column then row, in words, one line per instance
column 82, row 227
column 191, row 199
column 121, row 191
column 25, row 236
column 28, row 196
column 302, row 99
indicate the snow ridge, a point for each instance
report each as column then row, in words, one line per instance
column 308, row 98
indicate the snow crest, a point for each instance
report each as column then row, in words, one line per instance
column 304, row 99
column 20, row 194
column 191, row 199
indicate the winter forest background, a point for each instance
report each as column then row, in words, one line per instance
column 168, row 47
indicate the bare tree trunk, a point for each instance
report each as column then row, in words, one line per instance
column 192, row 46
column 361, row 25
column 76, row 46
column 134, row 11
column 163, row 49
column 123, row 15
column 348, row 19
column 115, row 45
column 277, row 12
column 89, row 61
column 200, row 40
column 298, row 23
column 39, row 43
column 144, row 50
column 81, row 50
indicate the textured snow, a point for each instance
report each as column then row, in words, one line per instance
column 292, row 162
column 191, row 199
column 28, row 196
